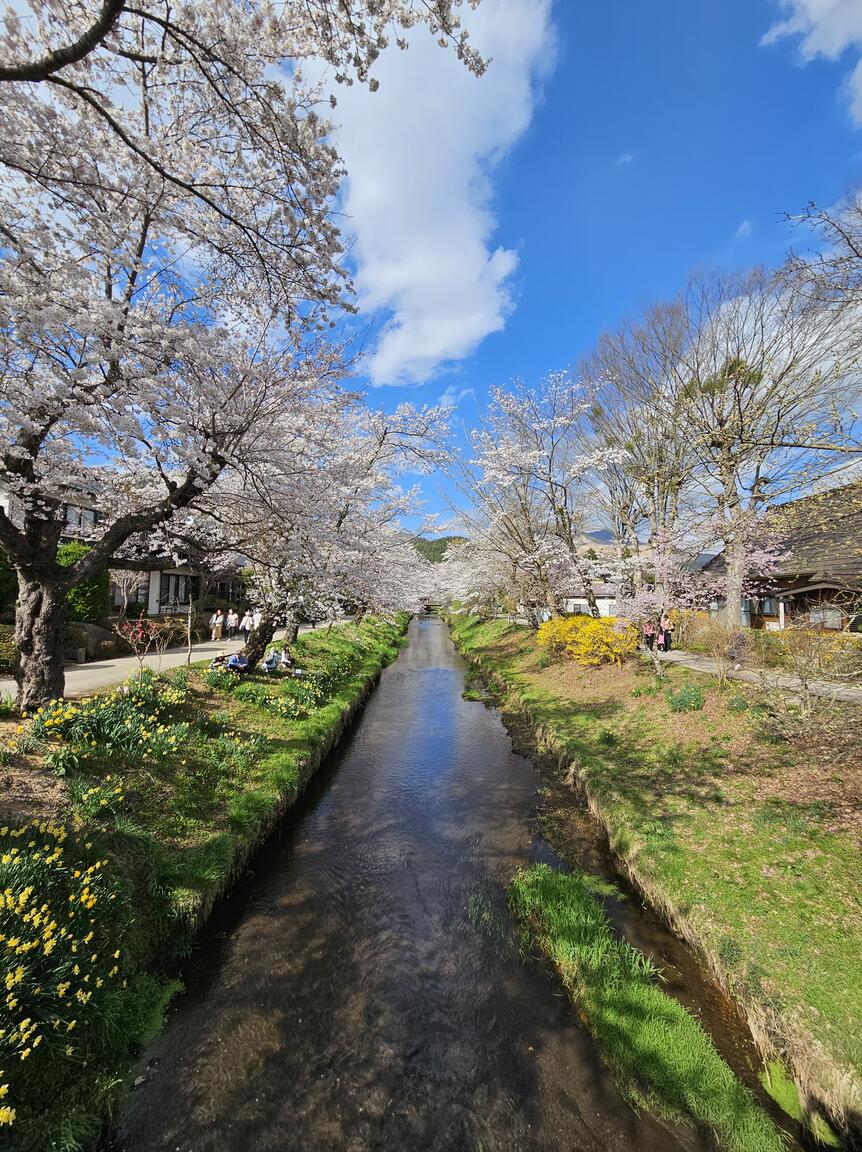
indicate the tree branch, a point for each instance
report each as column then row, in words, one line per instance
column 37, row 70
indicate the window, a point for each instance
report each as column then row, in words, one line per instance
column 176, row 588
column 769, row 606
column 80, row 519
column 137, row 595
column 826, row 617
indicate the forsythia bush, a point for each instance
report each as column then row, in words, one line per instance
column 590, row 641
column 60, row 964
column 556, row 635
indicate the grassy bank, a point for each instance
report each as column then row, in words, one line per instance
column 658, row 1051
column 749, row 846
column 132, row 812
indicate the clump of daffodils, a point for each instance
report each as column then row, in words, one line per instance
column 61, row 913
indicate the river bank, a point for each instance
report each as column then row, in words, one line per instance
column 743, row 845
column 142, row 807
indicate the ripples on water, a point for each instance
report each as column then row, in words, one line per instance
column 368, row 995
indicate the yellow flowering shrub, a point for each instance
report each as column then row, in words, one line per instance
column 557, row 634
column 60, row 961
column 589, row 641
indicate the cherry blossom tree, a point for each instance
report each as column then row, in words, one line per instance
column 320, row 521
column 528, row 484
column 737, row 395
column 169, row 261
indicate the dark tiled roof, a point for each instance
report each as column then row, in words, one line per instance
column 822, row 535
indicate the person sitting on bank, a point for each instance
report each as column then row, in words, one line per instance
column 238, row 663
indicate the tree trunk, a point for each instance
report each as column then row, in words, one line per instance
column 259, row 640
column 40, row 619
column 733, row 584
column 291, row 630
column 586, row 578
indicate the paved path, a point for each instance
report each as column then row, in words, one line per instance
column 82, row 679
column 828, row 690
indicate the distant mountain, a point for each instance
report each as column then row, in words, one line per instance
column 434, row 550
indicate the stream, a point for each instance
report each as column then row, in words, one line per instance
column 362, row 987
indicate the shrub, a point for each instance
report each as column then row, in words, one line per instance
column 91, row 599
column 689, row 698
column 589, row 640
column 557, row 634
column 222, row 679
column 62, row 918
column 288, row 707
column 737, row 704
column 8, row 583
column 130, row 719
column 603, row 641
column 8, row 650
column 252, row 693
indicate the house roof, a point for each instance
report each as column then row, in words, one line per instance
column 822, row 537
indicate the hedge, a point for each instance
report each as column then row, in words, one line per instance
column 91, row 599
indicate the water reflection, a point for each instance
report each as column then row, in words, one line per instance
column 368, row 994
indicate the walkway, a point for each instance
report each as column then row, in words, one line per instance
column 826, row 689
column 81, row 679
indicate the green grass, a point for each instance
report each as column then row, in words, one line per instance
column 784, row 1092
column 657, row 1050
column 194, row 771
column 767, row 888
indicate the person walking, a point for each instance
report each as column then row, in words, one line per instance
column 246, row 625
column 256, row 617
column 232, row 623
column 649, row 634
column 666, row 628
column 216, row 624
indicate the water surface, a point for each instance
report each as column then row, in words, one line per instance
column 362, row 990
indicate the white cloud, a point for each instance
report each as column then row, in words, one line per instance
column 744, row 229
column 826, row 28
column 453, row 396
column 624, row 159
column 420, row 155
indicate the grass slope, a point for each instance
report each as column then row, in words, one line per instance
column 188, row 774
column 748, row 847
column 657, row 1050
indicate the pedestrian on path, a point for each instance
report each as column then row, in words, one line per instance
column 232, row 623
column 649, row 634
column 666, row 628
column 256, row 617
column 246, row 625
column 216, row 624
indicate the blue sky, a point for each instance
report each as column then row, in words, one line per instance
column 619, row 146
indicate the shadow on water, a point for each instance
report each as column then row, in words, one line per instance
column 362, row 989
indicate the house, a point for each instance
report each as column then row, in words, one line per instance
column 820, row 574
column 80, row 512
column 165, row 590
column 161, row 592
